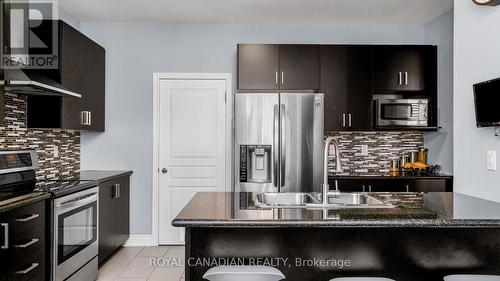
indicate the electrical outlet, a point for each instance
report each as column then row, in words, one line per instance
column 491, row 160
column 364, row 150
column 55, row 151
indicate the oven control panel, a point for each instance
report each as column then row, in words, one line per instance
column 15, row 161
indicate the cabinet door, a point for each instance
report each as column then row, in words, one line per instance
column 414, row 69
column 333, row 84
column 300, row 67
column 387, row 69
column 431, row 185
column 83, row 70
column 122, row 203
column 346, row 82
column 107, row 217
column 258, row 67
column 359, row 88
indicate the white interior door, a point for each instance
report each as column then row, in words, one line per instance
column 192, row 147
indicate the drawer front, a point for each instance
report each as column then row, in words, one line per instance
column 24, row 218
column 27, row 242
column 31, row 267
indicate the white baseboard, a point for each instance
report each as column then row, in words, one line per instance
column 139, row 240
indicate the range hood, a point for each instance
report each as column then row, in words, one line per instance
column 34, row 82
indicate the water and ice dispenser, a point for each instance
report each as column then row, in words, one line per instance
column 255, row 163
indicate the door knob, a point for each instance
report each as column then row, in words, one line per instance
column 164, row 170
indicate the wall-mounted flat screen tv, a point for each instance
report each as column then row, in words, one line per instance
column 487, row 103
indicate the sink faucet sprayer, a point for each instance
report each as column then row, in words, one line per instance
column 338, row 168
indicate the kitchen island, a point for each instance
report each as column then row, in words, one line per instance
column 424, row 236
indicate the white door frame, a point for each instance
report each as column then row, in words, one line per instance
column 157, row 77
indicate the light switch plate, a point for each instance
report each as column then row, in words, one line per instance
column 364, row 150
column 491, row 160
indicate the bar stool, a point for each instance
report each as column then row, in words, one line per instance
column 243, row 273
column 471, row 277
column 362, row 279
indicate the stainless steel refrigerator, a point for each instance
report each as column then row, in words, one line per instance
column 278, row 142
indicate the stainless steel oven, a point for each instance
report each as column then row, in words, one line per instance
column 402, row 112
column 75, row 236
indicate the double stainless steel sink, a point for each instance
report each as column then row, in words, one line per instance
column 268, row 200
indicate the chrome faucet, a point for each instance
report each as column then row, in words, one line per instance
column 325, row 188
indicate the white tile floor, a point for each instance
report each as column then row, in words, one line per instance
column 134, row 264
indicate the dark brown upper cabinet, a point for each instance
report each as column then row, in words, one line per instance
column 81, row 69
column 400, row 68
column 278, row 67
column 258, row 67
column 346, row 80
column 300, row 67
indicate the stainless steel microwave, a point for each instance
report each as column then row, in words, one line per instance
column 402, row 112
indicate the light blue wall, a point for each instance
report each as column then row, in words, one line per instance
column 476, row 59
column 68, row 19
column 135, row 51
column 440, row 32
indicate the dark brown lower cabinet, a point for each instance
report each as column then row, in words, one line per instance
column 444, row 184
column 22, row 238
column 114, row 215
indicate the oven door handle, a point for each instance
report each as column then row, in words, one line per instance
column 75, row 203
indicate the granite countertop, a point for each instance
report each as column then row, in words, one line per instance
column 23, row 200
column 102, row 175
column 435, row 209
column 388, row 175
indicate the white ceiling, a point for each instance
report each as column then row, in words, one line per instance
column 257, row 11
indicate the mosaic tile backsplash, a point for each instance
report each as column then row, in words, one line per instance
column 14, row 135
column 382, row 148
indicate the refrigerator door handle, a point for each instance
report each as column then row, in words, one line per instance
column 283, row 145
column 276, row 146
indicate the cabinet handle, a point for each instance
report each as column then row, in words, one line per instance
column 282, row 77
column 406, row 78
column 34, row 216
column 6, row 235
column 276, row 78
column 86, row 118
column 350, row 119
column 407, row 188
column 343, row 119
column 400, row 78
column 116, row 191
column 27, row 270
column 33, row 241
